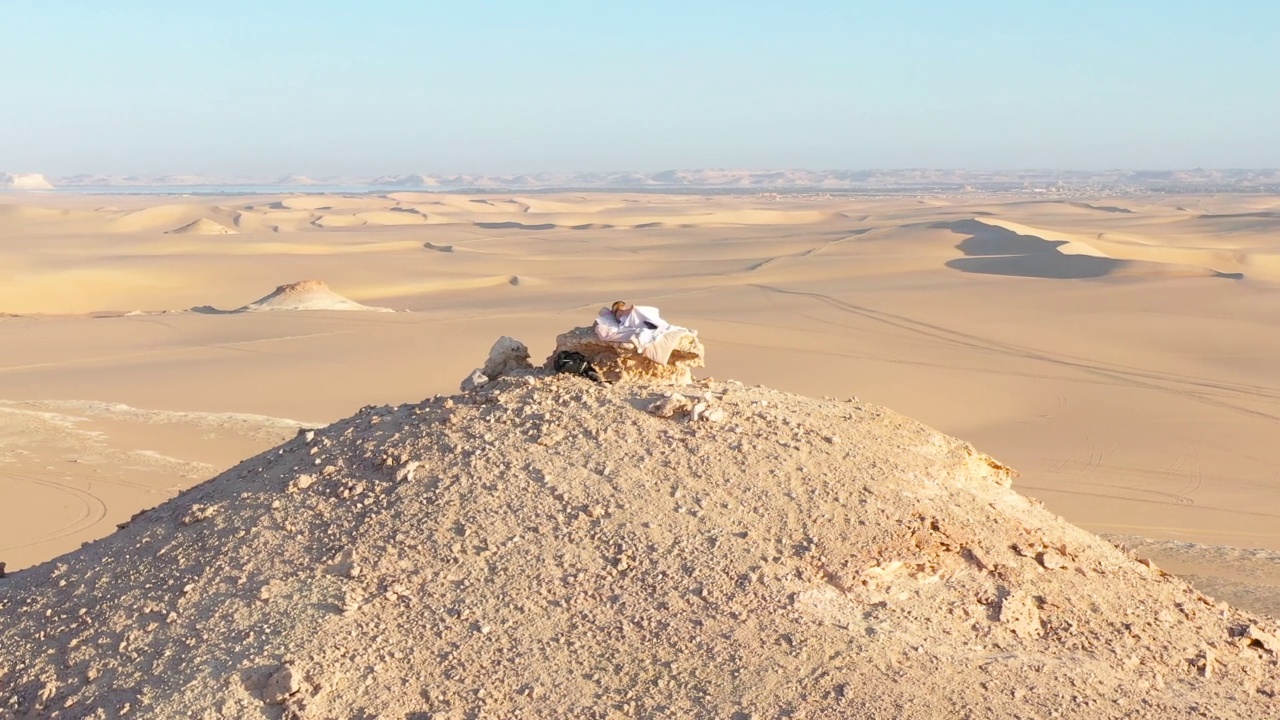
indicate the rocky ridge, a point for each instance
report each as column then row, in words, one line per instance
column 545, row 546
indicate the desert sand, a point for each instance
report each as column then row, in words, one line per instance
column 1119, row 353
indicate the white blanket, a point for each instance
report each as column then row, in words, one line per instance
column 644, row 329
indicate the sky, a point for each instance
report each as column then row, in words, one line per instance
column 325, row 88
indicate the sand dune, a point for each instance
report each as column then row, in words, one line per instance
column 444, row 285
column 1063, row 243
column 338, row 221
column 392, row 217
column 42, row 218
column 633, row 220
column 278, row 220
column 1000, row 247
column 1239, row 223
column 160, row 217
column 509, row 225
column 1103, row 208
column 333, row 202
column 323, row 212
column 427, row 198
column 203, row 226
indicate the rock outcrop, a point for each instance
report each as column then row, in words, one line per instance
column 507, row 357
column 621, row 362
column 24, row 181
column 306, row 295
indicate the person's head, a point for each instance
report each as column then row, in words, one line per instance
column 619, row 309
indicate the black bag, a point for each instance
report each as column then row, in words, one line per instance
column 575, row 364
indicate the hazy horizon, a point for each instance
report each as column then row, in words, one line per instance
column 139, row 88
column 657, row 170
column 715, row 180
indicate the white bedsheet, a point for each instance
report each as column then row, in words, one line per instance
column 644, row 329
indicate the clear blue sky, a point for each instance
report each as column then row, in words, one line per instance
column 320, row 87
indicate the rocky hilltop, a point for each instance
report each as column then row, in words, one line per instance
column 546, row 546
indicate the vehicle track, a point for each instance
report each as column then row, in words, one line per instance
column 1209, row 392
column 93, row 508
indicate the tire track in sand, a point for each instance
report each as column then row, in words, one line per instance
column 93, row 509
column 1197, row 389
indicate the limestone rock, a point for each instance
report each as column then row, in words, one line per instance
column 1021, row 614
column 1256, row 636
column 1204, row 662
column 199, row 513
column 673, row 405
column 283, row 683
column 405, row 474
column 1051, row 559
column 474, row 380
column 505, row 357
column 24, row 181
column 621, row 362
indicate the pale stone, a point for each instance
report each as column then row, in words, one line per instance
column 474, row 380
column 1020, row 612
column 280, row 686
column 505, row 357
column 622, row 362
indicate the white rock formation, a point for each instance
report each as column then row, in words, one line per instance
column 306, row 295
column 24, row 181
column 508, row 356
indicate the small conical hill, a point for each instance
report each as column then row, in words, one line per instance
column 305, row 295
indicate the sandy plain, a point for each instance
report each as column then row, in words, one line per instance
column 1120, row 353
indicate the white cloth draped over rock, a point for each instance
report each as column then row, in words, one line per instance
column 643, row 328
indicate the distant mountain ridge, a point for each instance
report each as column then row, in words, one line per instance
column 1196, row 179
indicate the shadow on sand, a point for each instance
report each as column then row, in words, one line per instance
column 991, row 250
column 515, row 226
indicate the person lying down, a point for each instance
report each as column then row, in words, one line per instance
column 643, row 328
